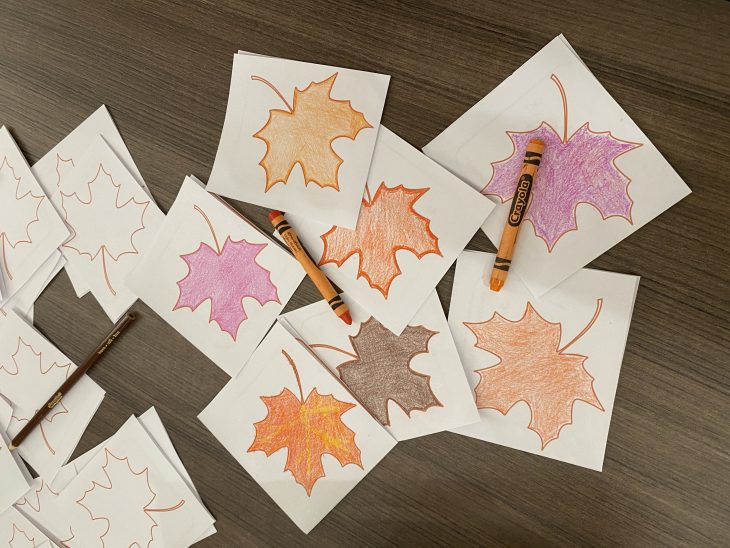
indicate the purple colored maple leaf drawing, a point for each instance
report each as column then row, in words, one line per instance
column 225, row 278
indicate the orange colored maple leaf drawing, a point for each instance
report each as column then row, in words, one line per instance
column 124, row 490
column 533, row 368
column 19, row 538
column 303, row 134
column 307, row 429
column 387, row 224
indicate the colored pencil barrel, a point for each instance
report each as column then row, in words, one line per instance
column 318, row 277
column 518, row 209
column 69, row 383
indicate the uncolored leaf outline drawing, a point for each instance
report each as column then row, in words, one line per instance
column 147, row 511
column 529, row 308
column 60, row 160
column 367, row 204
column 219, row 251
column 564, row 139
column 37, row 492
column 3, row 234
column 307, row 483
column 59, row 408
column 15, row 529
column 435, row 402
column 290, row 110
column 103, row 249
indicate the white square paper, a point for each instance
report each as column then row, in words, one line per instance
column 30, row 227
column 543, row 370
column 287, row 121
column 215, row 277
column 16, row 530
column 414, row 384
column 112, row 221
column 416, row 218
column 600, row 178
column 284, row 407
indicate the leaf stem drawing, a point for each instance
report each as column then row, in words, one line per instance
column 210, row 226
column 564, row 97
column 599, row 305
column 106, row 272
column 296, row 374
column 169, row 509
column 273, row 87
column 335, row 348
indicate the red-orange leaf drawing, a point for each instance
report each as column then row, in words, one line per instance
column 574, row 170
column 307, row 429
column 124, row 493
column 535, row 369
column 388, row 223
column 96, row 223
column 303, row 134
column 20, row 539
column 18, row 211
column 380, row 370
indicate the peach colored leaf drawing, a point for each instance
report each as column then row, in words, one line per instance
column 18, row 211
column 576, row 169
column 126, row 502
column 381, row 369
column 307, row 429
column 96, row 223
column 225, row 276
column 535, row 369
column 388, row 223
column 303, row 134
column 20, row 539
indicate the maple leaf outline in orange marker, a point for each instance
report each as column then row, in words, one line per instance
column 63, row 168
column 14, row 201
column 90, row 235
column 576, row 169
column 137, row 493
column 303, row 134
column 533, row 368
column 307, row 429
column 380, row 370
column 225, row 276
column 387, row 223
column 15, row 540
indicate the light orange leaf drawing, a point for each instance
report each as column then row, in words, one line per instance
column 64, row 166
column 20, row 539
column 38, row 499
column 123, row 493
column 307, row 429
column 18, row 211
column 388, row 223
column 96, row 223
column 535, row 369
column 303, row 134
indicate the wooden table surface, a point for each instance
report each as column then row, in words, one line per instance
column 163, row 68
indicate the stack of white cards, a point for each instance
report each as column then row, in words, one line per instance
column 131, row 490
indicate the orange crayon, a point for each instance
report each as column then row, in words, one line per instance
column 520, row 203
column 315, row 274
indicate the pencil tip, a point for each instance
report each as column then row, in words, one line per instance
column 12, row 447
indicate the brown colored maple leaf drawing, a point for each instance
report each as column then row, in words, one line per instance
column 15, row 204
column 123, row 490
column 381, row 371
column 533, row 368
column 95, row 223
column 388, row 223
column 307, row 429
column 303, row 134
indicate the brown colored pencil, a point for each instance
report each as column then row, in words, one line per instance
column 315, row 274
column 69, row 383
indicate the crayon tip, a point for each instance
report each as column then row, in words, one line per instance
column 496, row 285
column 274, row 214
column 346, row 317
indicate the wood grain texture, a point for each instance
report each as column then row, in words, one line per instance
column 163, row 68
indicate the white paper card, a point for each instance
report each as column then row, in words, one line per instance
column 112, row 221
column 415, row 220
column 23, row 300
column 600, row 178
column 30, row 227
column 543, row 370
column 299, row 136
column 215, row 277
column 284, row 407
column 17, row 531
column 14, row 477
column 414, row 384
column 31, row 369
column 129, row 494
